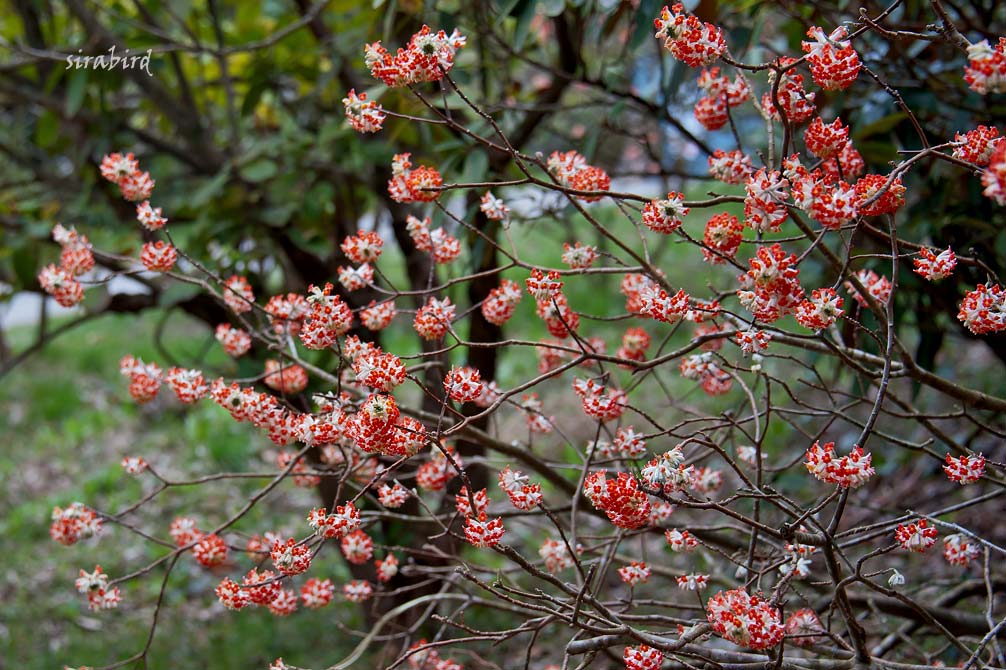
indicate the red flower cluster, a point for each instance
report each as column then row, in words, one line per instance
column 796, row 103
column 421, row 184
column 571, row 170
column 73, row 523
column 986, row 69
column 965, row 469
column 664, row 216
column 427, row 57
column 744, row 619
column 917, row 537
column 365, row 116
column 770, row 289
column 688, row 39
column 851, row 471
column 621, row 499
column 834, row 64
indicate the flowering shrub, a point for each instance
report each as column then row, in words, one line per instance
column 662, row 410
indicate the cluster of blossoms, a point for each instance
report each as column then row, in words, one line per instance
column 994, row 175
column 986, row 69
column 688, row 39
column 850, row 471
column 983, row 310
column 960, row 550
column 76, row 258
column 73, row 523
column 745, row 620
column 918, row 536
column 965, row 469
column 626, row 505
column 556, row 556
column 794, row 102
column 803, row 628
column 771, row 289
column 494, row 208
column 642, row 657
column 427, row 57
column 664, row 216
column 94, row 585
column 834, row 64
column 442, row 246
column 421, row 184
column 933, row 266
column 523, row 495
column 572, row 171
column 721, row 95
column 365, row 116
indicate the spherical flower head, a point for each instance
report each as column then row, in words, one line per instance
column 258, row 592
column 357, row 547
column 958, row 549
column 136, row 187
column 635, row 573
column 965, row 469
column 133, row 465
column 826, row 140
column 494, row 208
column 556, row 556
column 284, row 604
column 986, row 69
column 236, row 342
column 286, row 378
column 983, row 310
column 357, row 591
column 935, row 267
column 752, row 341
column 392, row 496
column 386, row 569
column 680, row 540
column 463, row 502
column 834, row 64
column 803, row 628
column 689, row 40
column 664, row 216
column 433, row 319
column 316, row 593
column 289, row 557
column 642, row 657
column 238, row 295
column 765, row 202
column 445, row 248
column 60, row 284
column 976, row 146
column 501, row 303
column 730, row 167
column 380, row 371
column 876, row 196
column 711, row 113
column 463, row 384
column 994, row 176
column 354, row 279
column 692, row 582
column 231, row 595
column 795, row 102
column 722, row 238
column 210, row 551
column 116, row 166
column 364, row 247
column 423, row 184
column 917, row 537
column 821, row 310
column 624, row 503
column 150, row 217
column 579, row 256
column 850, row 471
column 876, row 285
column 481, row 532
column 745, row 620
column 184, row 531
column 188, row 385
column 365, row 116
